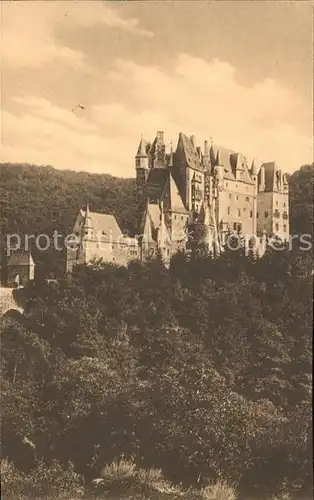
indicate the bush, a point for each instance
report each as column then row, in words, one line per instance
column 41, row 482
column 219, row 491
column 123, row 476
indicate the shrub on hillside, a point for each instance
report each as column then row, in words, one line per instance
column 44, row 481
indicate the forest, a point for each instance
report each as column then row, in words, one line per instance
column 143, row 382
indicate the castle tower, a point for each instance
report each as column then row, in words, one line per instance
column 141, row 167
column 273, row 202
column 141, row 163
column 159, row 159
column 206, row 159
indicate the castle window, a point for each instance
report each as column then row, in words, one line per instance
column 175, row 217
column 239, row 212
column 237, row 197
column 251, row 214
column 230, row 195
column 257, row 215
column 285, row 228
column 168, row 251
column 182, row 218
column 284, row 205
column 226, row 184
column 277, row 227
column 247, row 199
column 276, row 203
column 235, row 226
column 265, row 215
column 228, row 210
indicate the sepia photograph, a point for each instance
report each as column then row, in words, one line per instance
column 156, row 250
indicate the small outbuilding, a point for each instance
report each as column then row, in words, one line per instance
column 20, row 269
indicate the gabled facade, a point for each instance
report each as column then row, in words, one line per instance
column 98, row 236
column 20, row 268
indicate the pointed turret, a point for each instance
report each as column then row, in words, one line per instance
column 141, row 158
column 87, row 224
column 218, row 159
column 206, row 158
column 87, row 219
column 253, row 168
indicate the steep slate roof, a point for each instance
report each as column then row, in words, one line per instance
column 151, row 221
column 104, row 223
column 186, row 147
column 230, row 159
column 156, row 181
column 225, row 157
column 172, row 197
column 142, row 147
column 21, row 258
column 153, row 212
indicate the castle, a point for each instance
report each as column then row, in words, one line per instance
column 184, row 194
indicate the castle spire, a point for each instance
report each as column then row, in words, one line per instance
column 141, row 157
column 87, row 219
column 253, row 168
column 218, row 159
column 141, row 150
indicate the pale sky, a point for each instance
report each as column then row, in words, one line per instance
column 239, row 72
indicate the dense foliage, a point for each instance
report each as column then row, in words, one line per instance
column 202, row 370
column 301, row 200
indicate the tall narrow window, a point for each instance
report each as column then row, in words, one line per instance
column 266, row 215
column 229, row 211
column 251, row 214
